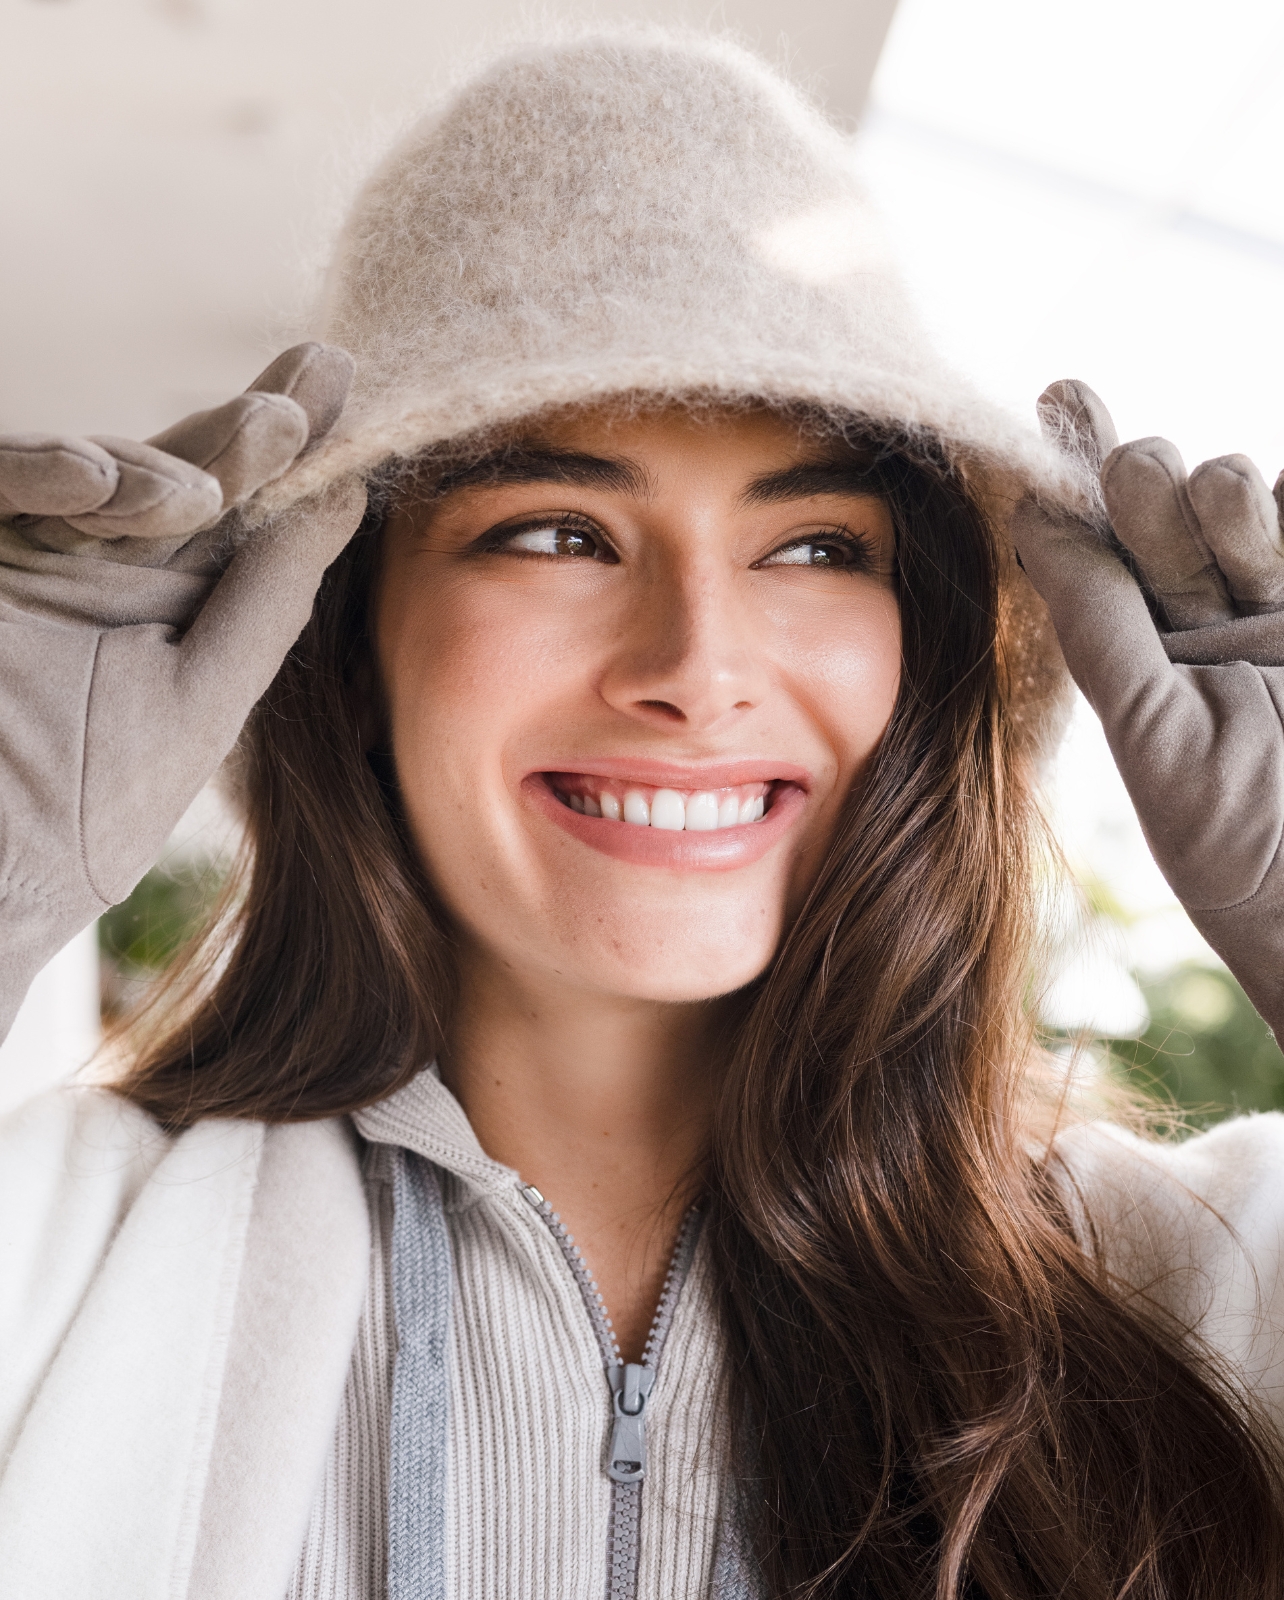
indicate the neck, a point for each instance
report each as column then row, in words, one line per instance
column 602, row 1102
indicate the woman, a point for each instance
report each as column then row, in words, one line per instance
column 644, row 852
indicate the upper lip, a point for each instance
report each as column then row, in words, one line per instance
column 689, row 776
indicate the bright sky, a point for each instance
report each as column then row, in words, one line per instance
column 1092, row 191
column 1097, row 191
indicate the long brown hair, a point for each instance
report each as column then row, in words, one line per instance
column 935, row 1389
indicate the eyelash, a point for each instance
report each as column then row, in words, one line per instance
column 858, row 556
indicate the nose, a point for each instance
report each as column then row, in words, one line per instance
column 685, row 653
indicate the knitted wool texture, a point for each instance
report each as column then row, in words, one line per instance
column 654, row 215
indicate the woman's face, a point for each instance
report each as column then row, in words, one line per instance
column 633, row 664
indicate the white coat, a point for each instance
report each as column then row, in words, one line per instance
column 177, row 1317
column 176, row 1322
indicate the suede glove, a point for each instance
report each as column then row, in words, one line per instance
column 1169, row 606
column 140, row 619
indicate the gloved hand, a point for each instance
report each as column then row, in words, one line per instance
column 140, row 619
column 1184, row 664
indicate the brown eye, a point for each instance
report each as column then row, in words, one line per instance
column 558, row 539
column 846, row 554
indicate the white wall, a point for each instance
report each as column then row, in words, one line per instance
column 1097, row 191
column 173, row 169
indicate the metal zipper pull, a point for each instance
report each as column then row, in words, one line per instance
column 630, row 1386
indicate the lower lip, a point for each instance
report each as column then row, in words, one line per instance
column 718, row 850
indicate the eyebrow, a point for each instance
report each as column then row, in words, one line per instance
column 810, row 478
column 536, row 463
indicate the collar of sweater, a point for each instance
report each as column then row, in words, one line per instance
column 426, row 1118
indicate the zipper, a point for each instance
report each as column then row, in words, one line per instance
column 631, row 1383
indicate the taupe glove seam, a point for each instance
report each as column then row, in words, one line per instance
column 84, row 771
column 1214, row 644
column 1193, row 905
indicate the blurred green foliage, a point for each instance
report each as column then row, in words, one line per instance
column 165, row 908
column 1206, row 1047
column 1206, row 1050
column 138, row 938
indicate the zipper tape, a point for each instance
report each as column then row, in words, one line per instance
column 631, row 1384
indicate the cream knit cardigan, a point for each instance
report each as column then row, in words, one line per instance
column 178, row 1319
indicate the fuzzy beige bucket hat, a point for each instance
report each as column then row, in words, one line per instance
column 647, row 213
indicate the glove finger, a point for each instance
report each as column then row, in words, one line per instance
column 157, row 497
column 1101, row 617
column 45, row 475
column 316, row 377
column 1074, row 417
column 147, row 501
column 1240, row 522
column 244, row 444
column 1144, row 484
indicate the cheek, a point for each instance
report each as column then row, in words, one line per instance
column 460, row 662
column 473, row 647
column 843, row 667
column 470, row 672
column 843, row 661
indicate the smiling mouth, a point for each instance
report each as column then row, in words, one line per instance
column 641, row 805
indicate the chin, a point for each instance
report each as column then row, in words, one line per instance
column 674, row 988
column 665, row 968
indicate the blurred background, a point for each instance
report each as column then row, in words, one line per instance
column 1093, row 191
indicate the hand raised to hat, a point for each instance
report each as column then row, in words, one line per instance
column 140, row 619
column 1170, row 614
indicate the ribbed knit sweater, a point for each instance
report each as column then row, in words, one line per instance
column 528, row 1497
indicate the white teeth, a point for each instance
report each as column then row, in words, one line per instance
column 672, row 811
column 668, row 810
column 702, row 812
